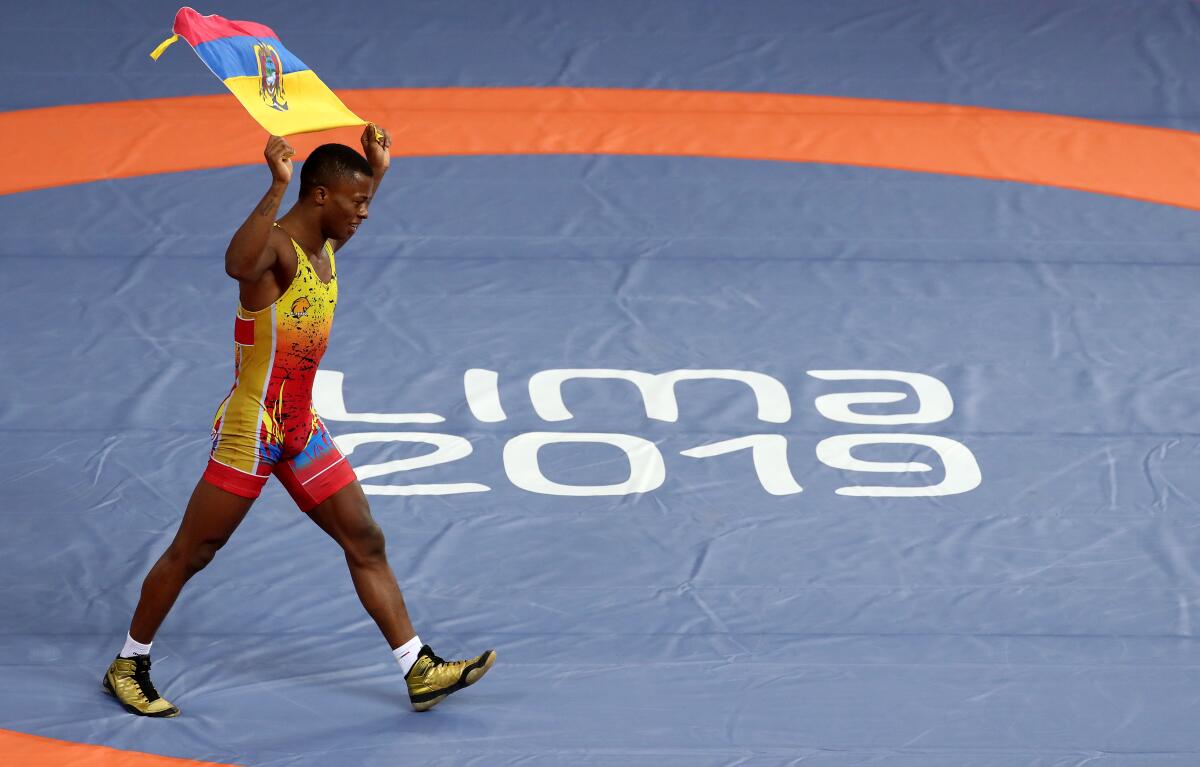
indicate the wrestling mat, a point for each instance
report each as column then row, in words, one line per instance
column 768, row 382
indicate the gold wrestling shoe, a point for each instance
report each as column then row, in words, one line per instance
column 128, row 680
column 431, row 679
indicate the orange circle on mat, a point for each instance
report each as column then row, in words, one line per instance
column 135, row 138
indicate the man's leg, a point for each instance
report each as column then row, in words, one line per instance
column 211, row 517
column 346, row 517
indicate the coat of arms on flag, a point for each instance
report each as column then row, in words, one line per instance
column 270, row 76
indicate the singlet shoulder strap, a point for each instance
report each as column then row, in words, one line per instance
column 295, row 245
column 333, row 262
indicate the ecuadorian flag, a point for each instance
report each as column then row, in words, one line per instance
column 278, row 89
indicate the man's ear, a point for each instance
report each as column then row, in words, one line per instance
column 320, row 195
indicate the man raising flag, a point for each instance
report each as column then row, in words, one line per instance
column 288, row 290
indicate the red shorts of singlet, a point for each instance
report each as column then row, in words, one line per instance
column 310, row 476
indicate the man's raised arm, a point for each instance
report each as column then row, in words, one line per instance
column 247, row 258
column 376, row 144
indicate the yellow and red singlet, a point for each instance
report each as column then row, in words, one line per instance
column 267, row 424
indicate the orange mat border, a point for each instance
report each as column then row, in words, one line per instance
column 18, row 748
column 57, row 146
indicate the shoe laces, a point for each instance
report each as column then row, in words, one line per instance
column 438, row 661
column 141, row 675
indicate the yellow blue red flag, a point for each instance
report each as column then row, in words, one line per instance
column 276, row 87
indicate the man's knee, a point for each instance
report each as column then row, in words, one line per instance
column 364, row 543
column 196, row 557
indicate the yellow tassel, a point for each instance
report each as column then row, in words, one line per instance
column 165, row 44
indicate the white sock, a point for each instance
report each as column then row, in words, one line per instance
column 133, row 647
column 406, row 654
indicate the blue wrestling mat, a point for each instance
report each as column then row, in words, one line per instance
column 733, row 461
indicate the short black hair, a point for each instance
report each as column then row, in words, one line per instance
column 328, row 162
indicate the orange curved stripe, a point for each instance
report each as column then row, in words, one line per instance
column 17, row 748
column 73, row 144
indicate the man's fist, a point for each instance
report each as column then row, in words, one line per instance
column 376, row 142
column 279, row 158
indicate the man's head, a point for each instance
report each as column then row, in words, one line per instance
column 337, row 180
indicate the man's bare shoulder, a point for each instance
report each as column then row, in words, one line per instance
column 280, row 244
column 284, row 262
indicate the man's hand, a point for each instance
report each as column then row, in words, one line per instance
column 279, row 155
column 376, row 142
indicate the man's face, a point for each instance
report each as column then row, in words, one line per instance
column 347, row 198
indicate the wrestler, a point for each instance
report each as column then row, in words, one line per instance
column 287, row 280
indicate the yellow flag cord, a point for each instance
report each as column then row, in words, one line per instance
column 165, row 44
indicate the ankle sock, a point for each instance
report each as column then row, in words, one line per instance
column 133, row 647
column 406, row 654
